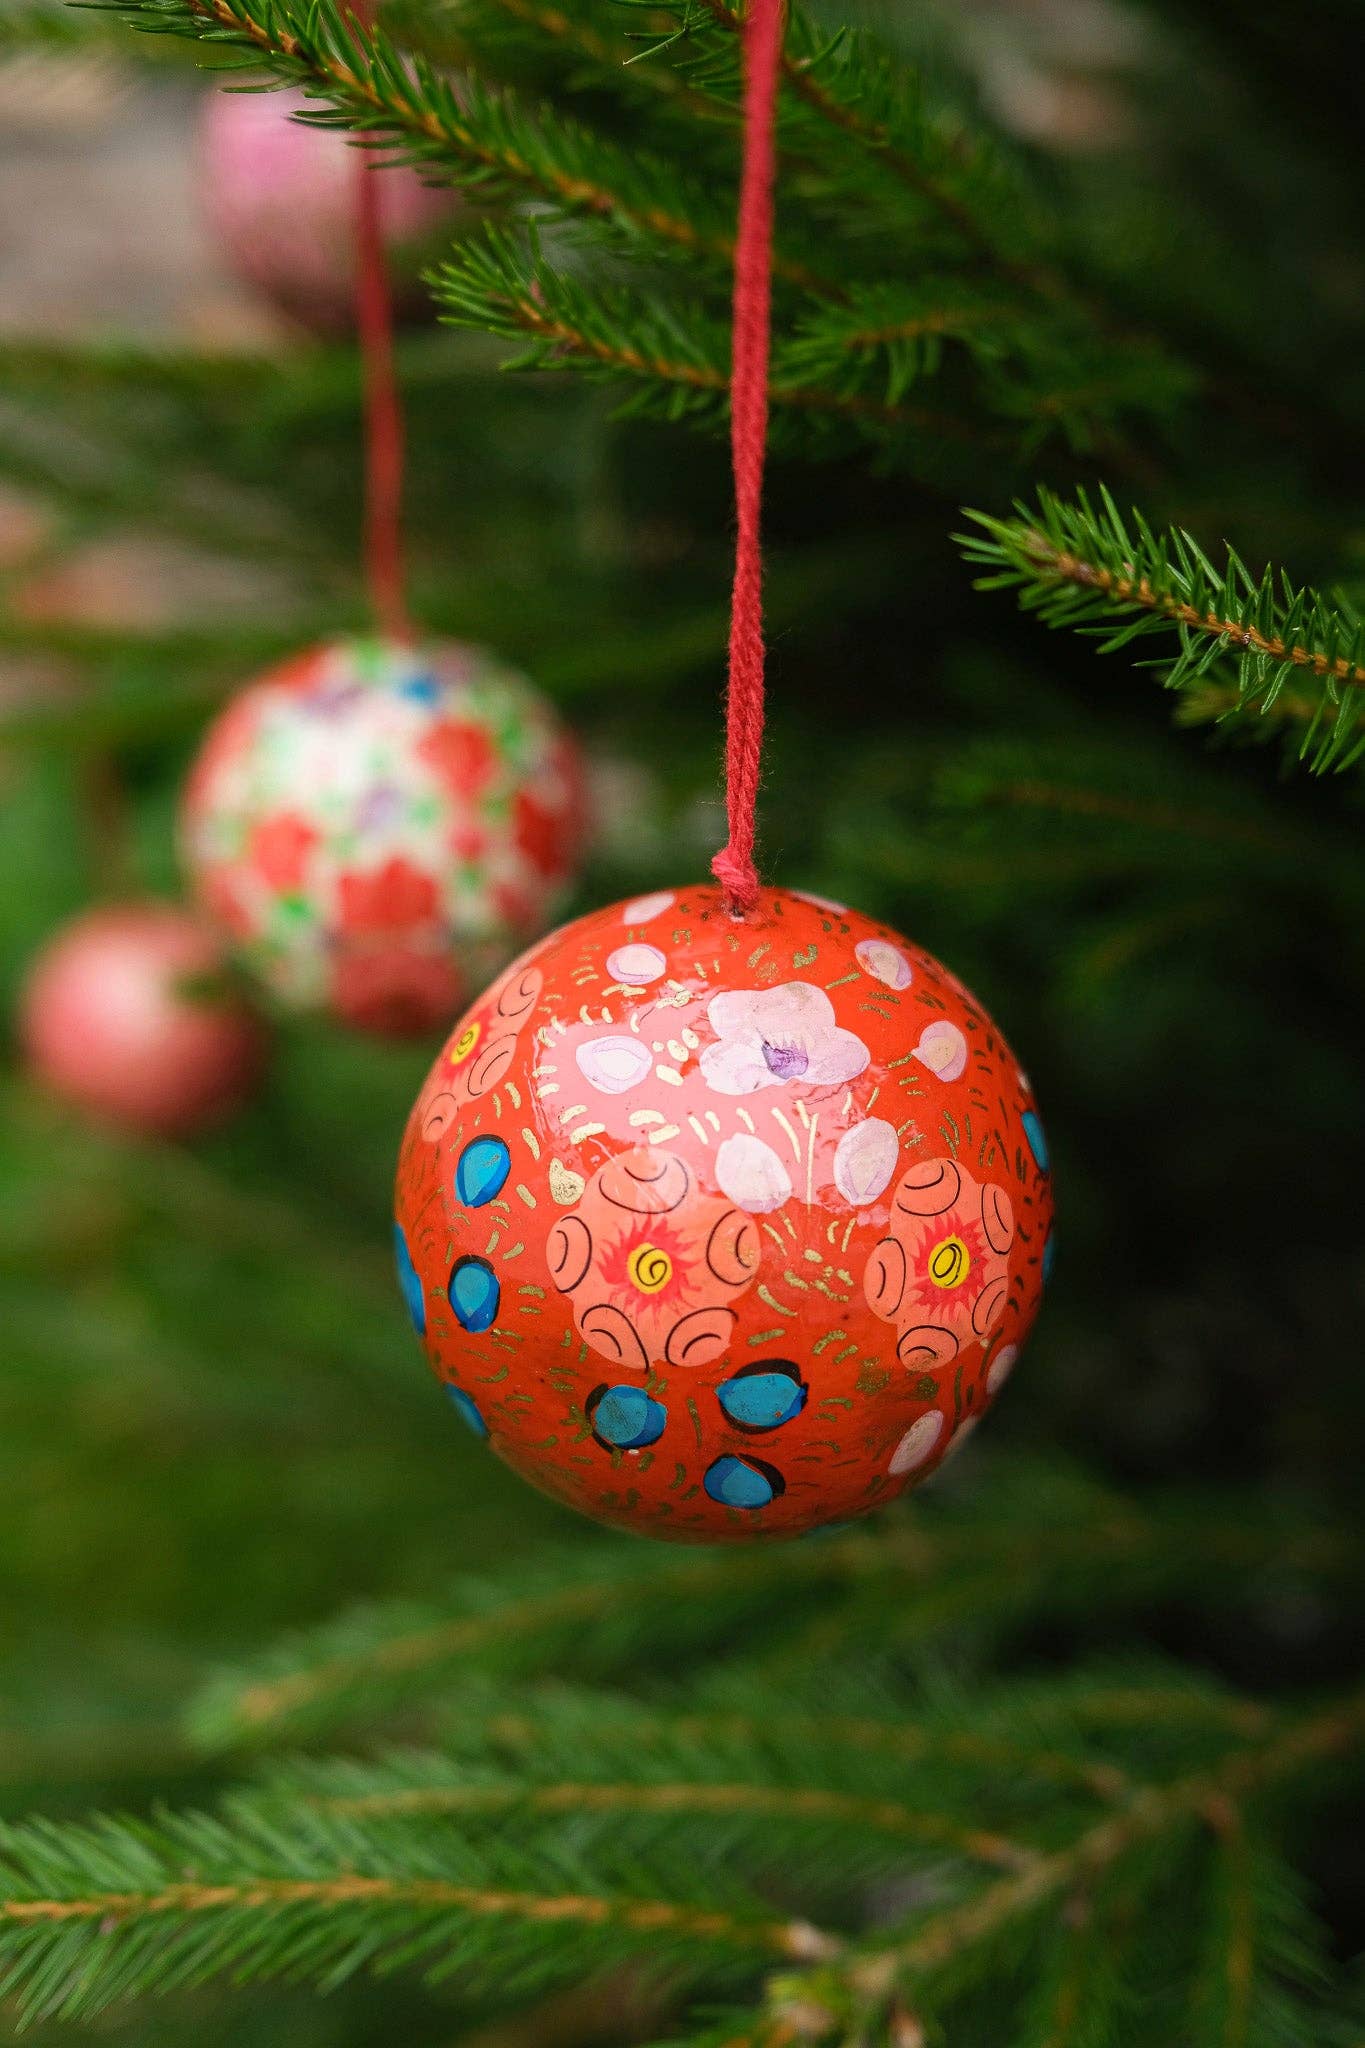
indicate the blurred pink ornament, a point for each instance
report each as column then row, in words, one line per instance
column 282, row 197
column 126, row 1014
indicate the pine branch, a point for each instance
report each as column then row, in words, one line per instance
column 857, row 134
column 1179, row 851
column 491, row 36
column 838, row 380
column 278, row 1883
column 368, row 1656
column 890, row 336
column 1081, row 1990
column 966, row 1772
column 1052, row 370
column 851, row 111
column 854, row 108
column 556, row 1723
column 842, row 89
column 677, row 362
column 1248, row 1774
column 501, row 286
column 96, row 1913
column 1246, row 637
column 1132, row 810
column 487, row 138
column 424, row 1787
column 1043, row 1546
column 1262, row 1954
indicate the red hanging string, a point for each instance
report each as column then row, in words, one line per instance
column 383, row 412
column 734, row 867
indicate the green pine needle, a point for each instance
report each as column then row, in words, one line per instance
column 851, row 338
column 1256, row 654
column 1038, row 1540
column 336, row 1869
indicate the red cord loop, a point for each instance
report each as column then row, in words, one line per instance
column 383, row 409
column 734, row 866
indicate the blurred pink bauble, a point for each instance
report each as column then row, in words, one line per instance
column 124, row 1014
column 282, row 198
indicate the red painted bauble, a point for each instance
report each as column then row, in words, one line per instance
column 128, row 1013
column 378, row 826
column 721, row 1229
column 281, row 196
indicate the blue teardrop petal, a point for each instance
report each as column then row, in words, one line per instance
column 628, row 1418
column 474, row 1294
column 737, row 1484
column 410, row 1281
column 761, row 1400
column 422, row 689
column 482, row 1171
column 1037, row 1138
column 1049, row 1256
column 467, row 1412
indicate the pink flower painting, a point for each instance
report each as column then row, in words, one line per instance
column 768, row 1038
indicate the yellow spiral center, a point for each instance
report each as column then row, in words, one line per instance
column 949, row 1262
column 649, row 1268
column 464, row 1045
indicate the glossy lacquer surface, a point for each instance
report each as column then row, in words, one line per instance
column 724, row 1229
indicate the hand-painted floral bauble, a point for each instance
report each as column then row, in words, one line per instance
column 128, row 1013
column 281, row 196
column 719, row 1229
column 378, row 826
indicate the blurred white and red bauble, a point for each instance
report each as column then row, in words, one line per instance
column 129, row 1012
column 281, row 195
column 379, row 826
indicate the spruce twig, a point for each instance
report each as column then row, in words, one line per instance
column 946, row 1572
column 680, row 367
column 1044, row 365
column 94, row 1913
column 404, row 106
column 856, row 95
column 902, row 1740
column 1249, row 1772
column 775, row 1803
column 276, row 1884
column 1243, row 636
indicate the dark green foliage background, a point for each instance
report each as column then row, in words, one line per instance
column 213, row 1424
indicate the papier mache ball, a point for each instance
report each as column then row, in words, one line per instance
column 720, row 1229
column 377, row 827
column 129, row 1013
column 280, row 195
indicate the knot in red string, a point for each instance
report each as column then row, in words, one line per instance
column 734, row 866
